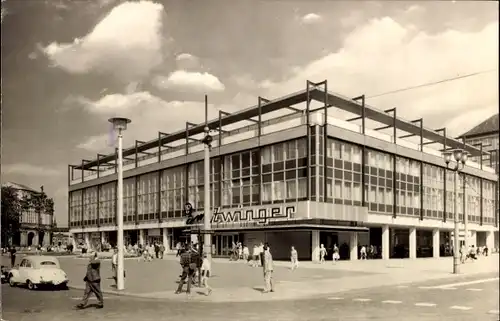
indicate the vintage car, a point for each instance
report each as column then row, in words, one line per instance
column 36, row 271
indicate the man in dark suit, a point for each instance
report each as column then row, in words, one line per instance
column 92, row 283
column 188, row 264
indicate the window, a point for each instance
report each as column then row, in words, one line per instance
column 379, row 181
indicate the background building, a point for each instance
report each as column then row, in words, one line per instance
column 37, row 216
column 486, row 135
column 301, row 178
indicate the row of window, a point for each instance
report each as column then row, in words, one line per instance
column 284, row 179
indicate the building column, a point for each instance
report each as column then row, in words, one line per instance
column 47, row 238
column 385, row 242
column 472, row 238
column 24, row 239
column 103, row 237
column 490, row 240
column 413, row 242
column 435, row 243
column 353, row 245
column 141, row 237
column 166, row 239
column 315, row 246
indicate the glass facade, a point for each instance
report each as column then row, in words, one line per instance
column 379, row 176
column 278, row 173
column 147, row 193
column 173, row 191
column 107, row 204
column 433, row 195
column 75, row 209
column 343, row 173
column 240, row 179
column 196, row 183
column 488, row 202
column 407, row 186
column 90, row 206
column 473, row 192
column 129, row 200
column 284, row 172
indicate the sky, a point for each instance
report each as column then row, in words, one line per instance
column 67, row 66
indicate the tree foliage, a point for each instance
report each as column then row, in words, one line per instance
column 11, row 211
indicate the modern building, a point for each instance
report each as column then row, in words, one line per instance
column 486, row 136
column 303, row 178
column 36, row 225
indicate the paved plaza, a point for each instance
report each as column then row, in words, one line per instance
column 239, row 282
column 468, row 298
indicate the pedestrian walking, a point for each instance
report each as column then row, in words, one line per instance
column 162, row 250
column 268, row 270
column 294, row 257
column 188, row 269
column 205, row 274
column 12, row 252
column 114, row 266
column 322, row 253
column 92, row 283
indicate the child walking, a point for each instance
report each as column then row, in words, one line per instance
column 205, row 274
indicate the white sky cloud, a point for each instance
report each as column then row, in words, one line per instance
column 186, row 81
column 311, row 18
column 149, row 114
column 29, row 170
column 126, row 43
column 186, row 61
column 383, row 55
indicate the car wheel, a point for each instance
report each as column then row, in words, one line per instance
column 11, row 281
column 30, row 285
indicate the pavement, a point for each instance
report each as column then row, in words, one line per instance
column 463, row 298
column 238, row 282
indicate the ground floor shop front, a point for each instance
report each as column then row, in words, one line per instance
column 385, row 242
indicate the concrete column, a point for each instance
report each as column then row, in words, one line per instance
column 435, row 243
column 315, row 246
column 472, row 240
column 166, row 240
column 490, row 240
column 24, row 239
column 141, row 237
column 103, row 237
column 353, row 245
column 46, row 239
column 385, row 242
column 413, row 243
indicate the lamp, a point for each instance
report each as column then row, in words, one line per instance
column 458, row 154
column 119, row 123
column 447, row 157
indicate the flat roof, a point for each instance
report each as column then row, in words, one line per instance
column 313, row 93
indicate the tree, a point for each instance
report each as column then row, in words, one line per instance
column 11, row 213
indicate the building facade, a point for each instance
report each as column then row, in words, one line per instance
column 486, row 136
column 36, row 223
column 301, row 179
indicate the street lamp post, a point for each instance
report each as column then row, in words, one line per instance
column 207, row 236
column 119, row 125
column 460, row 157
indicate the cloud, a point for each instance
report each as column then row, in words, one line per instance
column 311, row 18
column 127, row 43
column 186, row 61
column 186, row 81
column 29, row 170
column 383, row 55
column 149, row 114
